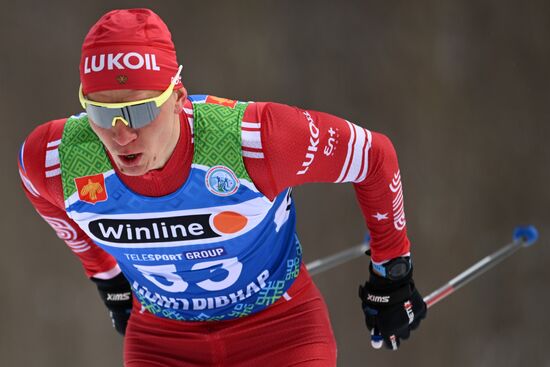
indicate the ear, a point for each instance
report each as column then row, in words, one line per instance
column 181, row 95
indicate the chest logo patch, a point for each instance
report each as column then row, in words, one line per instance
column 221, row 181
column 91, row 189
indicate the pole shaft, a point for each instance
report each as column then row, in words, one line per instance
column 326, row 263
column 480, row 267
column 323, row 264
column 472, row 272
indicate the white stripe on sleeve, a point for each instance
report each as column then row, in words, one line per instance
column 251, row 125
column 53, row 172
column 251, row 139
column 250, row 154
column 28, row 184
column 363, row 173
column 348, row 154
column 54, row 143
column 357, row 154
column 355, row 167
column 52, row 157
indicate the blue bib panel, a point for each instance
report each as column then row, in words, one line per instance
column 215, row 249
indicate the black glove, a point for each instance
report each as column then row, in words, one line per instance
column 117, row 296
column 392, row 308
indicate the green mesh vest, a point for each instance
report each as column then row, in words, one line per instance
column 217, row 142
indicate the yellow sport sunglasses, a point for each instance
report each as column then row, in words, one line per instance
column 135, row 114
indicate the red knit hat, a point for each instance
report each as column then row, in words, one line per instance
column 128, row 49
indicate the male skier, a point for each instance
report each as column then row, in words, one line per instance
column 179, row 208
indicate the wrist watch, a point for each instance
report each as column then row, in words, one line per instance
column 395, row 269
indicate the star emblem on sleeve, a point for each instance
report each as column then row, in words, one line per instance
column 380, row 216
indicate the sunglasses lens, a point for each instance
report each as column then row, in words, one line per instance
column 142, row 114
column 138, row 115
column 102, row 116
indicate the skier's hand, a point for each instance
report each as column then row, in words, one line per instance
column 117, row 296
column 392, row 308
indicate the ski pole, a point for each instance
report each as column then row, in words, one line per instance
column 325, row 263
column 523, row 237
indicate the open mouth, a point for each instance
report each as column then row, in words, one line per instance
column 130, row 159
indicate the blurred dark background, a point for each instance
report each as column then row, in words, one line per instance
column 462, row 89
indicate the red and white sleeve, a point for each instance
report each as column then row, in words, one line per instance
column 41, row 178
column 286, row 146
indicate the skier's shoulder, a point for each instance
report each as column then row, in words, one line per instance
column 43, row 135
column 38, row 157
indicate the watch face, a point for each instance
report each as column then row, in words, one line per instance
column 398, row 269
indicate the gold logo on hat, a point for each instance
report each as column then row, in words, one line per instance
column 122, row 79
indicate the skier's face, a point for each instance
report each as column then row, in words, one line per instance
column 137, row 151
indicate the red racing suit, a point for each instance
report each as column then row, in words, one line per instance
column 282, row 147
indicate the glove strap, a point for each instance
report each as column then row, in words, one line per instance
column 382, row 299
column 115, row 293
